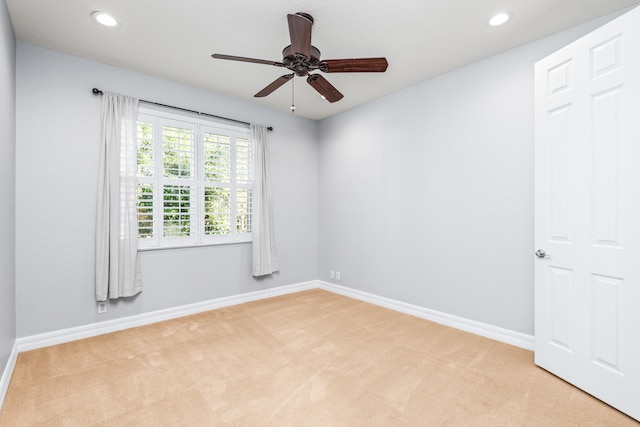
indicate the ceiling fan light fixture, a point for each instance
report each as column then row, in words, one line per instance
column 500, row 18
column 105, row 19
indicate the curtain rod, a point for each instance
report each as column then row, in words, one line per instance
column 96, row 91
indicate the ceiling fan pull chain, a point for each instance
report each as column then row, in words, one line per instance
column 293, row 105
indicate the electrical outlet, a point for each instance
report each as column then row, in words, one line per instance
column 333, row 274
column 102, row 307
column 337, row 275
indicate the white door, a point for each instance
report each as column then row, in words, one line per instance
column 587, row 213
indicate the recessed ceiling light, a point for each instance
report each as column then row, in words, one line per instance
column 105, row 19
column 499, row 19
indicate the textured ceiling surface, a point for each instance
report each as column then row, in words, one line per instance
column 175, row 39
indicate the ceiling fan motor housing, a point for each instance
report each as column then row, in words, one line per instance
column 300, row 64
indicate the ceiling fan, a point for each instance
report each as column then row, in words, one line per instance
column 302, row 58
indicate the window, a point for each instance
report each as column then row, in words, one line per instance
column 194, row 181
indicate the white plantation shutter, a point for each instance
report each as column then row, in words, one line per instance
column 217, row 211
column 244, row 161
column 228, row 173
column 244, row 209
column 217, row 157
column 217, row 180
column 177, row 212
column 244, row 181
column 178, row 181
column 194, row 181
column 146, row 183
column 146, row 212
column 178, row 145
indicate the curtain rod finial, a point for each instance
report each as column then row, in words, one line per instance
column 96, row 91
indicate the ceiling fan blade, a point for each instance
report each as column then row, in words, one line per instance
column 274, row 85
column 243, row 59
column 300, row 33
column 324, row 88
column 356, row 65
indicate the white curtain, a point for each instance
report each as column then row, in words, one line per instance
column 265, row 258
column 117, row 270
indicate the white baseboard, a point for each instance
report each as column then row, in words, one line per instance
column 86, row 331
column 7, row 373
column 507, row 336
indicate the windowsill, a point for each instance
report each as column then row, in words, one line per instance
column 192, row 246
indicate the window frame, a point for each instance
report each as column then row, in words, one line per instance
column 199, row 125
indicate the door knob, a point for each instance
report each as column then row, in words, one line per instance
column 540, row 253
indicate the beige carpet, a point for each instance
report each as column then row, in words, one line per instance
column 308, row 359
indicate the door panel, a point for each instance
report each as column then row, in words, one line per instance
column 606, row 320
column 561, row 302
column 587, row 212
column 606, row 115
column 561, row 214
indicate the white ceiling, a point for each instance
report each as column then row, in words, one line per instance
column 175, row 39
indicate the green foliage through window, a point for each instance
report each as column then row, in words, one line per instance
column 217, row 211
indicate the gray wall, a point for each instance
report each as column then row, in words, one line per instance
column 57, row 155
column 7, row 186
column 426, row 195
